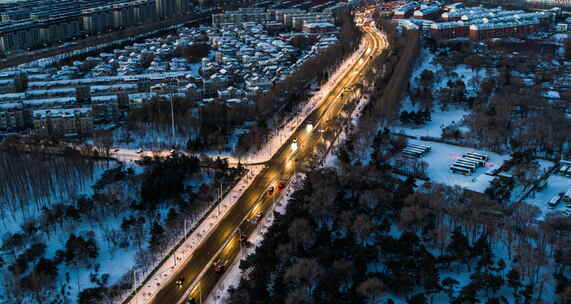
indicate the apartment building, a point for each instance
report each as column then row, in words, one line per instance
column 54, row 21
column 499, row 30
column 61, row 122
column 11, row 116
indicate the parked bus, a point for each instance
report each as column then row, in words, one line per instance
column 415, row 149
column 478, row 155
column 553, row 201
column 467, row 166
column 424, row 147
column 478, row 161
column 467, row 162
column 411, row 154
column 460, row 170
column 567, row 196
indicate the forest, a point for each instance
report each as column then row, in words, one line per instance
column 83, row 248
column 31, row 181
column 361, row 234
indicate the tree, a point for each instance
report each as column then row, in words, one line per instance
column 42, row 276
column 449, row 284
column 301, row 233
column 568, row 49
column 372, row 289
column 459, row 247
column 92, row 295
column 362, row 228
column 157, row 237
column 426, row 78
column 103, row 140
column 474, row 61
column 419, row 298
column 304, row 272
column 404, row 117
column 80, row 250
column 514, row 281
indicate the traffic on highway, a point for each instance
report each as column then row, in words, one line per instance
column 225, row 242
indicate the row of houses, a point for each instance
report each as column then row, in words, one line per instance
column 294, row 18
column 99, row 17
column 244, row 62
column 509, row 24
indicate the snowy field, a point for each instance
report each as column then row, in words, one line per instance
column 556, row 184
column 440, row 119
column 453, row 113
column 443, row 155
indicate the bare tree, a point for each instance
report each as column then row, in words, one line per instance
column 372, row 289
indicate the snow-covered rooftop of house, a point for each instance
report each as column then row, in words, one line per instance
column 10, row 106
column 31, row 102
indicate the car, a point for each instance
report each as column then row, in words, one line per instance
column 219, row 266
column 219, row 269
column 115, row 150
column 172, row 151
column 139, row 151
column 281, row 186
column 295, row 140
column 271, row 190
column 179, row 281
column 259, row 215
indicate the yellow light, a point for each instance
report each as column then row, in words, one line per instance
column 309, row 127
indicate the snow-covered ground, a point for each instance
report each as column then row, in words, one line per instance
column 451, row 114
column 170, row 267
column 440, row 119
column 443, row 155
column 279, row 137
column 556, row 184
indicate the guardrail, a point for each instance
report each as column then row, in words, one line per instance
column 183, row 239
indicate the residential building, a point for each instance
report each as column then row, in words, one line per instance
column 11, row 116
column 61, row 122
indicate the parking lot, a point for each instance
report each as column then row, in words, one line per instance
column 556, row 184
column 442, row 156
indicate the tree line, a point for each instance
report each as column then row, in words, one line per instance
column 363, row 235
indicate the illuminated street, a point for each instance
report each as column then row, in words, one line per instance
column 221, row 245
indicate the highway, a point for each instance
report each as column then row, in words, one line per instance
column 223, row 244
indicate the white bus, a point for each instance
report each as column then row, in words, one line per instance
column 469, row 162
column 553, row 201
column 478, row 155
column 424, row 147
column 567, row 196
column 464, row 165
column 478, row 161
column 415, row 149
column 460, row 170
column 411, row 154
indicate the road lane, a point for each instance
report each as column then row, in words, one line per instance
column 282, row 165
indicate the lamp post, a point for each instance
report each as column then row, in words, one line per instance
column 171, row 87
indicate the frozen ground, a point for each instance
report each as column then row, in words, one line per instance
column 556, row 184
column 453, row 114
column 443, row 155
column 440, row 119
